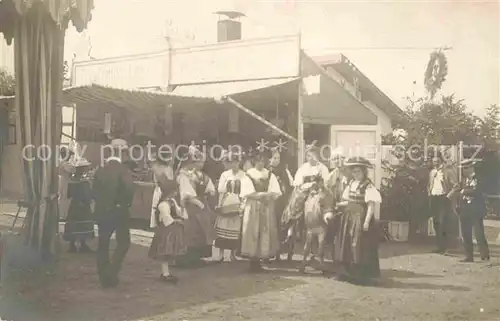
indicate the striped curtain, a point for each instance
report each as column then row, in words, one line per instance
column 38, row 64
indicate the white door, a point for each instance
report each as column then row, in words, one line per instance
column 361, row 141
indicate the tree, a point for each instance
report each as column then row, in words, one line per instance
column 491, row 124
column 446, row 122
column 7, row 83
column 443, row 122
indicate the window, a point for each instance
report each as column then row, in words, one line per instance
column 12, row 129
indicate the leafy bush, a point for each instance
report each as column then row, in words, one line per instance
column 404, row 193
column 7, row 83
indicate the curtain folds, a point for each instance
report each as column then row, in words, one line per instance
column 39, row 62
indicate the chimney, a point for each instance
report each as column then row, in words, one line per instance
column 229, row 25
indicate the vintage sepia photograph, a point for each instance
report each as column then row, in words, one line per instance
column 303, row 160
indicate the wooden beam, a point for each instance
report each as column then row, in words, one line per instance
column 260, row 118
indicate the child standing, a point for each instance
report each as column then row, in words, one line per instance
column 168, row 241
column 228, row 222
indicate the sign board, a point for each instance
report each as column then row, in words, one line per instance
column 129, row 72
column 237, row 60
column 262, row 58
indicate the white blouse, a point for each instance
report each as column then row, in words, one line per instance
column 247, row 187
column 227, row 176
column 225, row 198
column 165, row 214
column 371, row 193
column 308, row 170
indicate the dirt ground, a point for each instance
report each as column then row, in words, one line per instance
column 416, row 285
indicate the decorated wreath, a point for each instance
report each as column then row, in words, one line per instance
column 436, row 72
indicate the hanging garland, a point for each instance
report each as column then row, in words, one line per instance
column 436, row 72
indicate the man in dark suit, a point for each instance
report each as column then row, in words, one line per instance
column 113, row 190
column 472, row 211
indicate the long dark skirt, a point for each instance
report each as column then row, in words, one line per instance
column 79, row 224
column 199, row 235
column 168, row 242
column 357, row 250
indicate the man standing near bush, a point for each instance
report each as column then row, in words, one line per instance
column 472, row 211
column 442, row 182
column 113, row 189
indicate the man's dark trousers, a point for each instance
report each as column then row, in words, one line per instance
column 118, row 221
column 471, row 219
column 440, row 207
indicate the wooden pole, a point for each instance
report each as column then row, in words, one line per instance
column 260, row 118
column 460, row 156
column 300, row 108
column 300, row 126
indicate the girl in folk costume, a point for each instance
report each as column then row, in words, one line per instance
column 162, row 172
column 309, row 177
column 195, row 188
column 79, row 225
column 168, row 241
column 356, row 244
column 228, row 222
column 280, row 169
column 259, row 189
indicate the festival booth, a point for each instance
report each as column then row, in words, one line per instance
column 260, row 92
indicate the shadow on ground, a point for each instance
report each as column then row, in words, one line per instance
column 73, row 292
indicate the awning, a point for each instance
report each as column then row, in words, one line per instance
column 216, row 90
column 131, row 99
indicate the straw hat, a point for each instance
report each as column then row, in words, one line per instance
column 358, row 161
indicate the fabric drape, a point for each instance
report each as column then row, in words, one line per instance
column 38, row 27
column 39, row 59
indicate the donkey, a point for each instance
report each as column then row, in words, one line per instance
column 319, row 206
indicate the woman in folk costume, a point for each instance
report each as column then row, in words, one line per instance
column 228, row 222
column 195, row 189
column 162, row 172
column 259, row 238
column 169, row 240
column 309, row 177
column 79, row 225
column 279, row 168
column 356, row 244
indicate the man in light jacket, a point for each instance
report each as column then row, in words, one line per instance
column 441, row 190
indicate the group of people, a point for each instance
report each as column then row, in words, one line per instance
column 254, row 211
